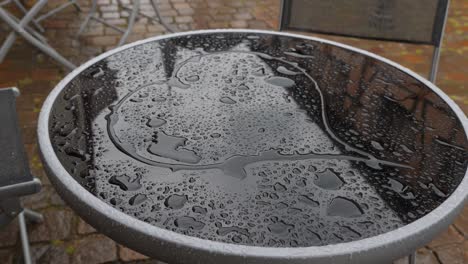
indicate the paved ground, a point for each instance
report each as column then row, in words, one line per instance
column 64, row 237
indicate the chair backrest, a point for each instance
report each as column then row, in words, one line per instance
column 412, row 21
column 14, row 167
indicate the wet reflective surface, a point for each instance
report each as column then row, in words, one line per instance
column 259, row 139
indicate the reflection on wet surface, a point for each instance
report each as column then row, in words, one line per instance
column 259, row 139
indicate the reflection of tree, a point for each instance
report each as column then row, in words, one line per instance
column 371, row 104
column 168, row 52
column 72, row 116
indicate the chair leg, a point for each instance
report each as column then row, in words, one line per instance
column 33, row 216
column 76, row 5
column 88, row 17
column 25, row 11
column 434, row 64
column 35, row 42
column 412, row 258
column 159, row 18
column 23, row 23
column 24, row 238
column 131, row 21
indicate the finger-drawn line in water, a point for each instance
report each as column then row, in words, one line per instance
column 235, row 165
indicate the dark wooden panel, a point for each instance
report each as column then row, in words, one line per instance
column 415, row 21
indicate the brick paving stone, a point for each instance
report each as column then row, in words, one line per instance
column 239, row 24
column 108, row 8
column 84, row 228
column 218, row 24
column 243, row 16
column 57, row 226
column 183, row 19
column 155, row 29
column 56, row 200
column 423, row 256
column 465, row 251
column 103, row 40
column 54, row 253
column 94, row 249
column 9, row 234
column 39, row 200
column 450, row 254
column 450, row 236
column 461, row 223
column 6, row 256
column 185, row 11
column 178, row 6
column 258, row 25
column 127, row 254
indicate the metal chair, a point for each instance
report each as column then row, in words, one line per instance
column 15, row 177
column 134, row 12
column 21, row 27
column 417, row 21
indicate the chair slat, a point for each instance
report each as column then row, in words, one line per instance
column 413, row 21
column 14, row 167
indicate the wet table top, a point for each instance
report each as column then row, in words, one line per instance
column 258, row 139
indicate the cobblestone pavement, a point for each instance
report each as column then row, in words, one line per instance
column 64, row 237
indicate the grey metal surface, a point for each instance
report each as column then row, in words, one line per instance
column 23, row 217
column 437, row 48
column 178, row 248
column 20, row 189
column 24, row 238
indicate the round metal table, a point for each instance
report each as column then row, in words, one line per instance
column 241, row 146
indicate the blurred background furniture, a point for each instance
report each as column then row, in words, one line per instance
column 416, row 22
column 134, row 11
column 15, row 178
column 21, row 27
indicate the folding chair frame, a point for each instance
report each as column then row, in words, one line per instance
column 134, row 12
column 36, row 39
column 10, row 207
